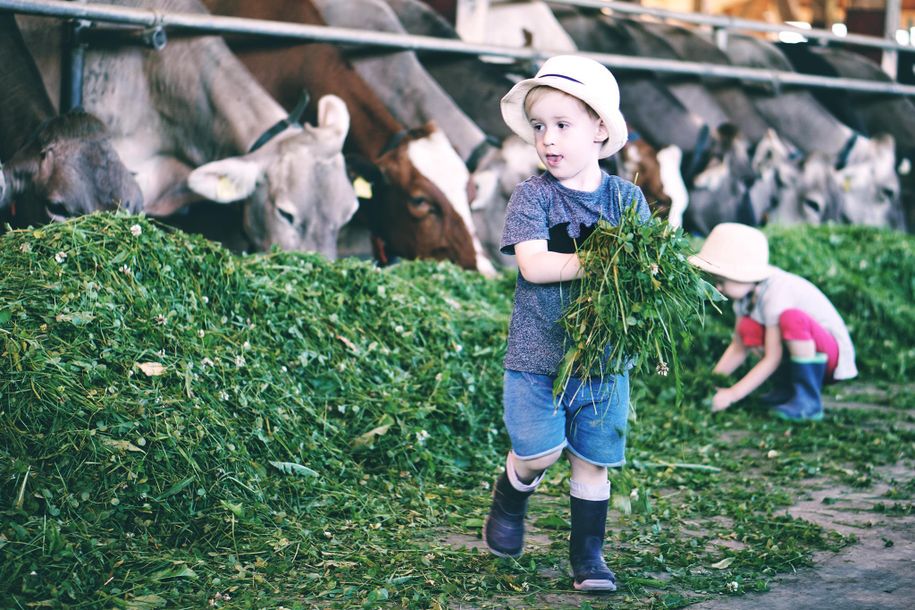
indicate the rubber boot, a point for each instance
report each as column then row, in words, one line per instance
column 807, row 378
column 586, row 543
column 503, row 529
column 782, row 389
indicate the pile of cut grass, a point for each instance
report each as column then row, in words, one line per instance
column 184, row 427
column 161, row 393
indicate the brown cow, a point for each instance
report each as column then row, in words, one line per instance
column 419, row 207
column 55, row 167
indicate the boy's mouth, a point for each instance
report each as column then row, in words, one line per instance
column 553, row 159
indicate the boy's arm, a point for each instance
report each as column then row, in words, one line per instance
column 540, row 266
column 756, row 375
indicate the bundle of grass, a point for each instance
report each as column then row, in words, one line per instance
column 638, row 300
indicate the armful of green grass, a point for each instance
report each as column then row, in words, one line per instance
column 638, row 299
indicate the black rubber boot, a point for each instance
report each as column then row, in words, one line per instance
column 782, row 389
column 586, row 543
column 807, row 377
column 503, row 530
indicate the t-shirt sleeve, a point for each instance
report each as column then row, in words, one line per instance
column 525, row 218
column 633, row 195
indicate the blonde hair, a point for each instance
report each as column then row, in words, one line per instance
column 539, row 91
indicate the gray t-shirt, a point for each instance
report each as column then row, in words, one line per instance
column 542, row 208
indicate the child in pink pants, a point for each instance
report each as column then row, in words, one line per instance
column 803, row 339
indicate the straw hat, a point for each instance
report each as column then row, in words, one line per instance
column 580, row 77
column 736, row 252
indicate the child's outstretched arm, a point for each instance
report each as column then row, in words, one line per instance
column 732, row 357
column 540, row 266
column 755, row 377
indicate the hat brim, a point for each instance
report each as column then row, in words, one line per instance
column 736, row 273
column 516, row 119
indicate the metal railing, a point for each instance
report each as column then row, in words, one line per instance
column 213, row 24
column 725, row 22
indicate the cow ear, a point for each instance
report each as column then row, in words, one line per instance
column 333, row 115
column 226, row 180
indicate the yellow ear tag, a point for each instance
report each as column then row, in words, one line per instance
column 225, row 189
column 846, row 184
column 541, row 166
column 362, row 187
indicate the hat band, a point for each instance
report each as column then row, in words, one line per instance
column 562, row 76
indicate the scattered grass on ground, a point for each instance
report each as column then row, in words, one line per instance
column 182, row 427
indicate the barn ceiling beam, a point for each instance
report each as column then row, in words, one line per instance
column 214, row 24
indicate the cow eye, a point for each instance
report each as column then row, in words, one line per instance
column 888, row 193
column 286, row 215
column 57, row 208
column 813, row 205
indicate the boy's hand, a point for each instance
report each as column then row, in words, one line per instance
column 722, row 399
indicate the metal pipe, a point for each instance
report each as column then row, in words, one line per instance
column 72, row 61
column 214, row 24
column 890, row 58
column 732, row 23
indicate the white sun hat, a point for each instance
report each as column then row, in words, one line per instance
column 580, row 77
column 735, row 252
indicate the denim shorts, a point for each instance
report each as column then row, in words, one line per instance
column 588, row 419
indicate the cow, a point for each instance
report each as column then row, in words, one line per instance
column 871, row 113
column 865, row 168
column 185, row 120
column 54, row 167
column 419, row 183
column 494, row 184
column 413, row 96
column 661, row 39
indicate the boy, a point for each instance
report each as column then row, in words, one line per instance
column 570, row 112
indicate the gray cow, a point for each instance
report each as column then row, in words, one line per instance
column 54, row 167
column 184, row 119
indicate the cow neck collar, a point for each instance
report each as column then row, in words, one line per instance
column 479, row 151
column 394, row 141
column 294, row 119
column 845, row 153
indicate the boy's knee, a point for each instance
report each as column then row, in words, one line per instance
column 537, row 464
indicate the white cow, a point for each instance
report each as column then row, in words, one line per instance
column 184, row 118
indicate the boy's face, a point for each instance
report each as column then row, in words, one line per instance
column 567, row 139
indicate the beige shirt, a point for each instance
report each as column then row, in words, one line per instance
column 784, row 290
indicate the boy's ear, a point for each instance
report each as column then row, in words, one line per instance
column 602, row 132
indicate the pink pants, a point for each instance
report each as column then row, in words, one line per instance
column 795, row 325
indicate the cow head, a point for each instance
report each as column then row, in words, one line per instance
column 295, row 190
column 67, row 168
column 423, row 209
column 871, row 186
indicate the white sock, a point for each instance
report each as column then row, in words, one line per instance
column 517, row 483
column 595, row 493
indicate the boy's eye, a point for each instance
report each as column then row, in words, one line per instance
column 562, row 125
column 537, row 126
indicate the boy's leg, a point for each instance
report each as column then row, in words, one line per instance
column 588, row 499
column 503, row 529
column 597, row 417
column 537, row 432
